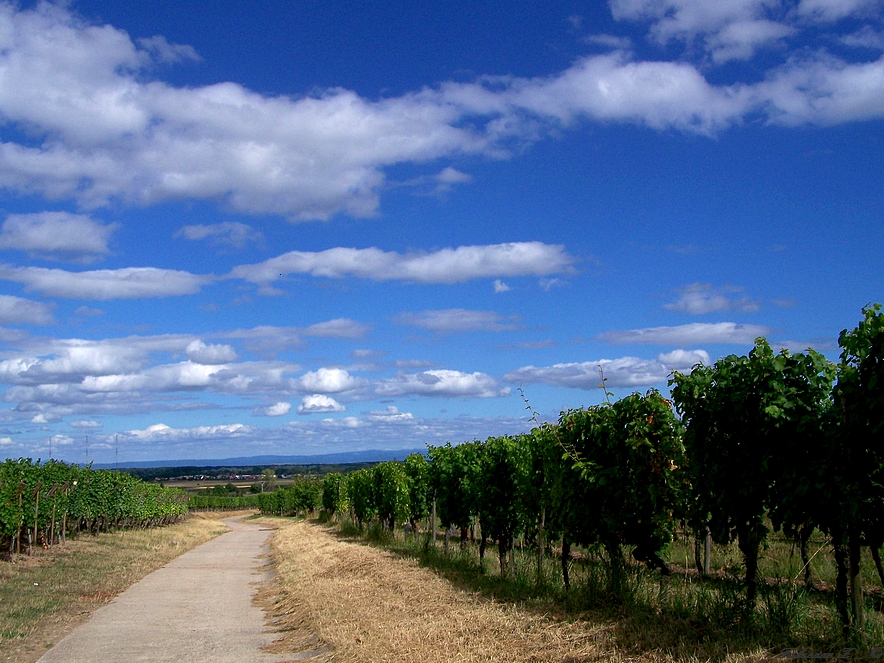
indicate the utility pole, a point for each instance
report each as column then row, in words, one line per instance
column 50, row 447
column 116, row 452
column 87, row 449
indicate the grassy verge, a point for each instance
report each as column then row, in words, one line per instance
column 44, row 597
column 675, row 618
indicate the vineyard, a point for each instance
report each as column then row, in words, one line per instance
column 223, row 502
column 43, row 503
column 755, row 444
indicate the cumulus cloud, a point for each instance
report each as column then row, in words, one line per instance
column 18, row 311
column 691, row 334
column 201, row 353
column 451, row 265
column 329, row 381
column 103, row 130
column 319, row 403
column 700, row 298
column 230, row 233
column 622, row 372
column 456, row 320
column 56, row 235
column 275, row 410
column 106, row 284
column 71, row 361
column 441, row 382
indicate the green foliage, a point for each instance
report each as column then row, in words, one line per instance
column 302, row 496
column 743, row 416
column 498, row 496
column 224, row 502
column 417, row 469
column 390, row 492
column 360, row 495
column 43, row 502
column 627, row 456
column 859, row 400
column 334, row 493
column 454, row 477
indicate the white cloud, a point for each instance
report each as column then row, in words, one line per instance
column 865, row 37
column 275, row 410
column 71, row 361
column 337, row 328
column 318, row 403
column 182, row 376
column 456, row 320
column 452, row 265
column 390, row 415
column 441, row 382
column 500, row 286
column 168, row 53
column 737, row 29
column 229, row 233
column 164, row 433
column 18, row 311
column 56, row 234
column 549, row 284
column 622, row 372
column 834, row 10
column 5, row 441
column 681, row 360
column 85, row 423
column 700, row 298
column 824, row 90
column 210, row 354
column 100, row 130
column 448, row 177
column 87, row 311
column 691, row 334
column 732, row 29
column 106, row 284
column 329, row 381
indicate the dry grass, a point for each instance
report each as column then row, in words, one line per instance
column 42, row 598
column 361, row 603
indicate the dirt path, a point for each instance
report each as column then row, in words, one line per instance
column 197, row 608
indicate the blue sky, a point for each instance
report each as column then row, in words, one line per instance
column 242, row 228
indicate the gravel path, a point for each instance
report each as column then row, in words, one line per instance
column 196, row 608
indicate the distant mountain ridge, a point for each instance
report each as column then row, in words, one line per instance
column 369, row 456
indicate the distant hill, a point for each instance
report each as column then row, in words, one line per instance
column 370, row 456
